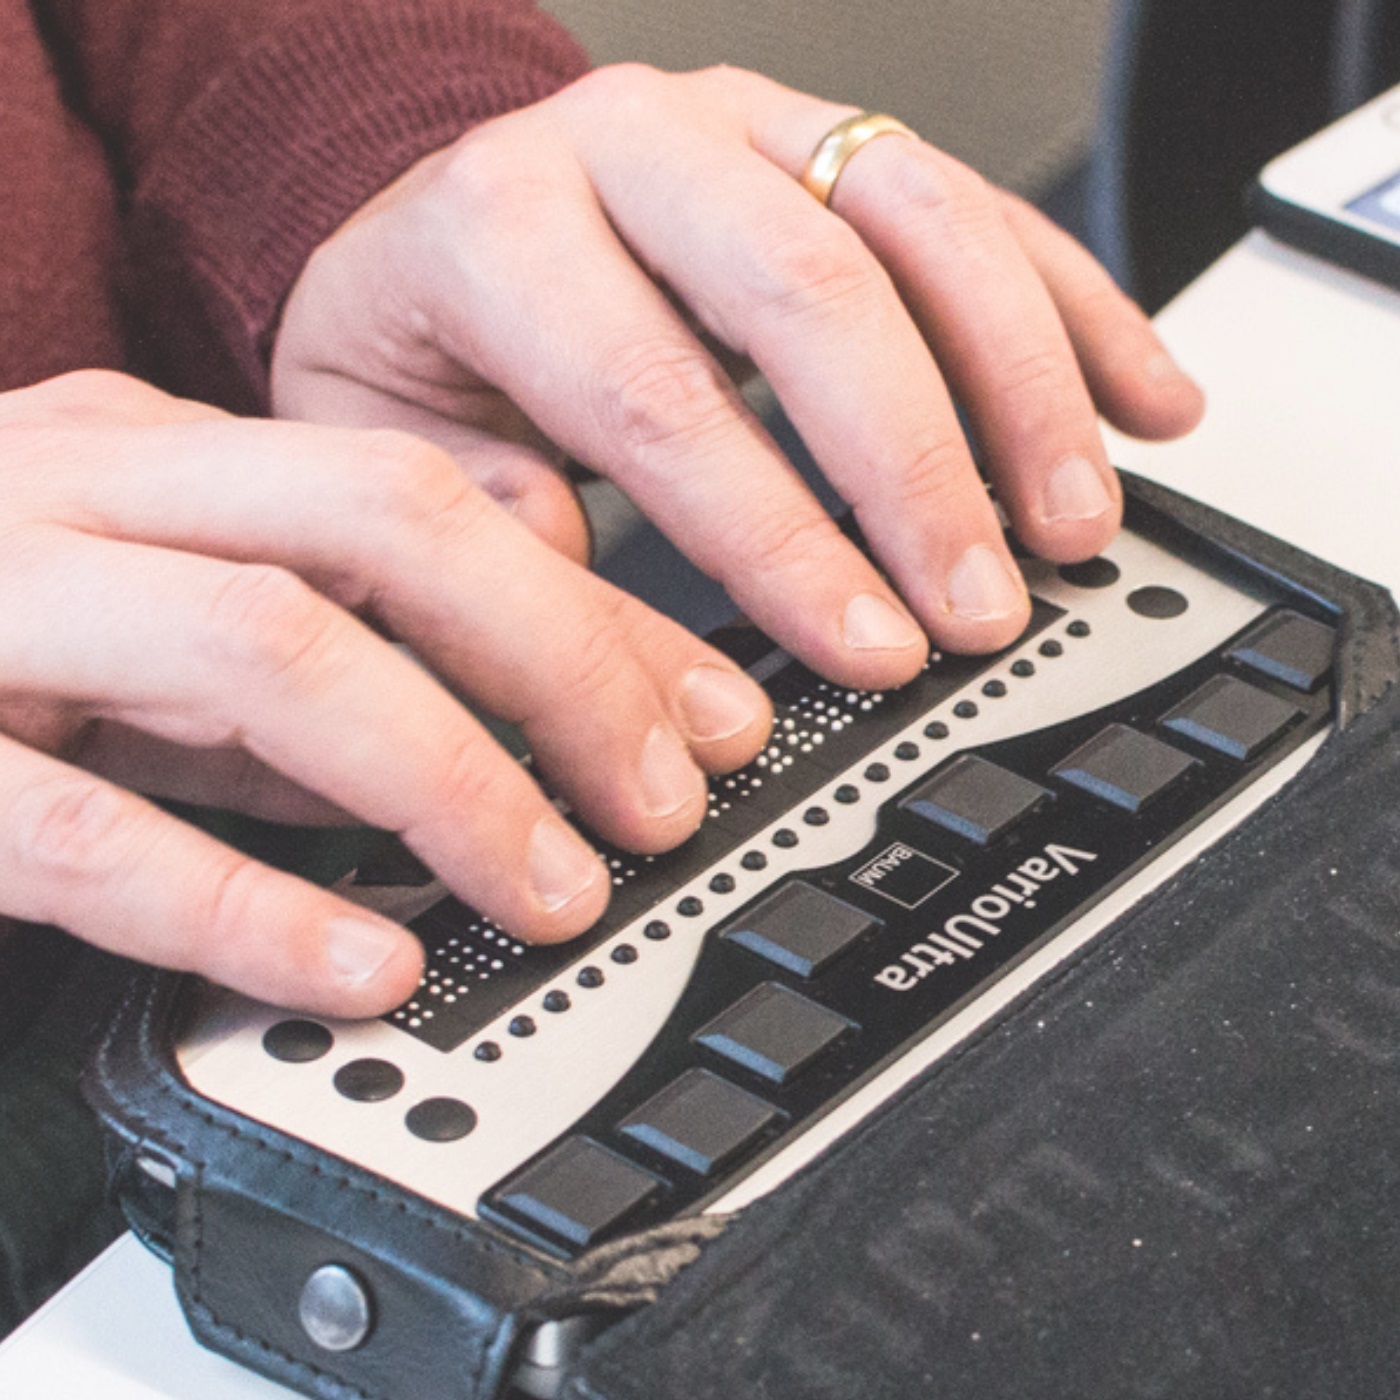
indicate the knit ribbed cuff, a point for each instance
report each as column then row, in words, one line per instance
column 305, row 126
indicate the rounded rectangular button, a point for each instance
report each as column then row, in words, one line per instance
column 801, row 928
column 1290, row 648
column 700, row 1121
column 975, row 798
column 1124, row 767
column 1232, row 717
column 773, row 1031
column 578, row 1190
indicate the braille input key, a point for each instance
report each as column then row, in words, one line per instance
column 801, row 928
column 975, row 798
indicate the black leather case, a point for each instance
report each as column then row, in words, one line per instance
column 1170, row 1169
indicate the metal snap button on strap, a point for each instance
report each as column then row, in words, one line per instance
column 336, row 1310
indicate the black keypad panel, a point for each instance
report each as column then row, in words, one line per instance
column 1125, row 767
column 577, row 1191
column 1290, row 648
column 700, row 1121
column 975, row 798
column 1232, row 717
column 801, row 928
column 773, row 1032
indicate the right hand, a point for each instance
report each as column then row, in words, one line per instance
column 185, row 593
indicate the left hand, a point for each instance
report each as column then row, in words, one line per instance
column 555, row 281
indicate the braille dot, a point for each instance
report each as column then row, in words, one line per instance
column 488, row 1052
column 522, row 1026
column 297, row 1042
column 440, row 1120
column 556, row 1001
column 590, row 977
column 624, row 953
column 1091, row 573
column 1023, row 668
column 816, row 816
column 1078, row 628
column 965, row 709
column 936, row 730
column 877, row 773
column 847, row 794
column 690, row 907
column 1156, row 602
column 722, row 883
column 785, row 837
column 994, row 689
column 906, row 752
column 368, row 1081
column 1051, row 648
column 754, row 860
column 658, row 930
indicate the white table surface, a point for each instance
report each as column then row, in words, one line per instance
column 1301, row 364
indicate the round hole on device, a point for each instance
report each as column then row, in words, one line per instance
column 1157, row 602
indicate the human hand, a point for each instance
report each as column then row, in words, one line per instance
column 185, row 597
column 559, row 275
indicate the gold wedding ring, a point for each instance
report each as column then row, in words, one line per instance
column 840, row 144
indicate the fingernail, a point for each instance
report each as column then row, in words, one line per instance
column 562, row 865
column 359, row 949
column 873, row 624
column 670, row 779
column 981, row 586
column 717, row 703
column 1075, row 491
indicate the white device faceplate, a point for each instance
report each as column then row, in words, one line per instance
column 1341, row 163
column 542, row 1085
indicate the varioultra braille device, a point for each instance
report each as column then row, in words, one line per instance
column 543, row 1137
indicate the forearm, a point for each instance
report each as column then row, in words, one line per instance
column 247, row 131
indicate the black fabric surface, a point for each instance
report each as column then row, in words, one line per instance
column 1172, row 1170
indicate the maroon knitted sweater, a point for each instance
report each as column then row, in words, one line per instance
column 166, row 166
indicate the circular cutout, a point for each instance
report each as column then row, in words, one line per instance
column 1097, row 572
column 1157, row 602
column 368, row 1081
column 440, row 1120
column 297, row 1042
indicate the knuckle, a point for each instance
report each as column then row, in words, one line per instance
column 73, row 826
column 484, row 171
column 801, row 266
column 476, row 781
column 662, row 395
column 621, row 90
column 226, row 903
column 407, row 483
column 1039, row 371
column 263, row 619
column 934, row 483
column 778, row 541
column 598, row 658
column 935, row 188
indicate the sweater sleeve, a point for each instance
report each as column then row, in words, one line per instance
column 246, row 131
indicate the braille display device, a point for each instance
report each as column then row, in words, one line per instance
column 890, row 874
